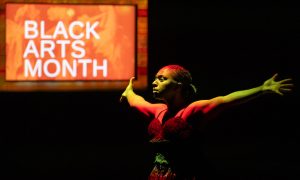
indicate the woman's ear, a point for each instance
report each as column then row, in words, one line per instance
column 179, row 83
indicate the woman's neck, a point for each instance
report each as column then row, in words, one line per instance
column 176, row 104
column 172, row 111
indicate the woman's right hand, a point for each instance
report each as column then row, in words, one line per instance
column 128, row 88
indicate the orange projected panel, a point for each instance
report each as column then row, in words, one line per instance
column 64, row 42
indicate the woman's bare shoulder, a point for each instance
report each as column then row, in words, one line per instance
column 195, row 107
column 158, row 108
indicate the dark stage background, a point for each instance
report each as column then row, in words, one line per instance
column 226, row 46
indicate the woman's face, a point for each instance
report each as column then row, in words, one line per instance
column 164, row 86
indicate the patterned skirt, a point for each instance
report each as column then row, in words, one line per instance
column 162, row 169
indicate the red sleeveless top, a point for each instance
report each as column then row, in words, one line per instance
column 172, row 140
column 173, row 129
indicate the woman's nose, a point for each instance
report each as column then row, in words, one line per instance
column 154, row 83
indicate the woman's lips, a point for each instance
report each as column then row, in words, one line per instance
column 155, row 91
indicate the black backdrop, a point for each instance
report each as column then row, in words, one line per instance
column 226, row 46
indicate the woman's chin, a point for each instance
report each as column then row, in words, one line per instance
column 156, row 95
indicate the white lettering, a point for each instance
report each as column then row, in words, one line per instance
column 71, row 29
column 84, row 63
column 31, row 48
column 47, row 46
column 51, row 74
column 78, row 48
column 33, row 30
column 66, row 66
column 63, row 67
column 33, row 71
column 60, row 30
column 91, row 30
column 30, row 29
column 43, row 35
column 63, row 47
column 103, row 68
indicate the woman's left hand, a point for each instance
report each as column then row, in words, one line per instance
column 279, row 87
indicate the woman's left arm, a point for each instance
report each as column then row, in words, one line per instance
column 242, row 96
column 269, row 86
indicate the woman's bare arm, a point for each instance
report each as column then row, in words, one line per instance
column 138, row 102
column 238, row 97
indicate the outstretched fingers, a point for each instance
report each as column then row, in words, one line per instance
column 274, row 76
column 285, row 89
column 122, row 99
column 285, row 86
column 129, row 86
column 131, row 80
column 285, row 80
column 278, row 92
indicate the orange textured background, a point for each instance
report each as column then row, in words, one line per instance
column 116, row 44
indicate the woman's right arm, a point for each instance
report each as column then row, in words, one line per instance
column 138, row 102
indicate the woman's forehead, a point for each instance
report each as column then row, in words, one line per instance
column 164, row 72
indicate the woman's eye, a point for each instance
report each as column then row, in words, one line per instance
column 161, row 79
